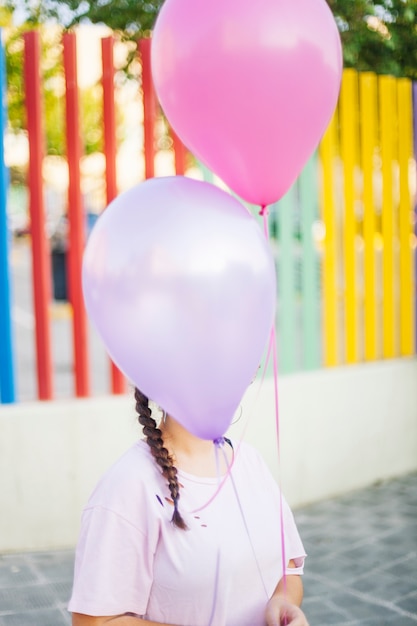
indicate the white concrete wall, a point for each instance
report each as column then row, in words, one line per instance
column 340, row 429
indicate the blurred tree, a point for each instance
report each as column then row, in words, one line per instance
column 53, row 88
column 51, row 51
column 379, row 36
column 129, row 17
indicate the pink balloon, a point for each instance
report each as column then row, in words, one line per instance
column 179, row 281
column 249, row 86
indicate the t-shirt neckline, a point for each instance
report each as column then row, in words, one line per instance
column 207, row 480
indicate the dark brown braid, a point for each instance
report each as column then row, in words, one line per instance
column 161, row 455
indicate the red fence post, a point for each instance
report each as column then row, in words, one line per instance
column 41, row 263
column 149, row 107
column 180, row 154
column 76, row 217
column 110, row 150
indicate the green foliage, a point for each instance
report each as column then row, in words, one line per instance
column 92, row 119
column 14, row 71
column 127, row 16
column 378, row 36
column 53, row 91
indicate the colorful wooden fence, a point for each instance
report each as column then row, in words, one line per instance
column 360, row 193
column 368, row 188
column 343, row 236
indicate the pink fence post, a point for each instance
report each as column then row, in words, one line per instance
column 110, row 150
column 149, row 107
column 76, row 218
column 41, row 264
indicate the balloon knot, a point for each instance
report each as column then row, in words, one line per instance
column 218, row 442
column 264, row 210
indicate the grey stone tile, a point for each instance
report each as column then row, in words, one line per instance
column 385, row 586
column 322, row 613
column 358, row 608
column 409, row 604
column 388, row 620
column 404, row 568
column 373, row 555
column 61, row 591
column 401, row 540
column 340, row 570
column 25, row 598
column 372, row 584
column 43, row 617
column 314, row 588
column 14, row 571
column 53, row 565
column 408, row 595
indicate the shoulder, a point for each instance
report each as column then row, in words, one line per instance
column 128, row 481
column 247, row 453
column 251, row 465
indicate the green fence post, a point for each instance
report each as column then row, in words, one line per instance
column 287, row 318
column 310, row 283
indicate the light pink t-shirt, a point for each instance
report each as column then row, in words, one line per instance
column 220, row 572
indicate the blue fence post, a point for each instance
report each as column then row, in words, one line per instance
column 7, row 382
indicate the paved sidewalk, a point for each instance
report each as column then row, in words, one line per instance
column 362, row 563
column 361, row 569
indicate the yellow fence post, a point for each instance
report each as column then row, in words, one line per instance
column 368, row 124
column 327, row 154
column 388, row 122
column 349, row 152
column 405, row 153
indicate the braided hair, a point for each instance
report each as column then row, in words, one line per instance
column 161, row 455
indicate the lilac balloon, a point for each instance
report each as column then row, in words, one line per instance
column 179, row 280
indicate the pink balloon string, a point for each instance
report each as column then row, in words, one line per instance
column 277, row 429
column 216, row 590
column 218, row 445
column 221, row 480
column 273, row 346
column 264, row 213
column 242, row 513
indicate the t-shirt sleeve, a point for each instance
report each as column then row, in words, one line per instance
column 294, row 549
column 113, row 566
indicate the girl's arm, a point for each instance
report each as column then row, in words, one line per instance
column 283, row 608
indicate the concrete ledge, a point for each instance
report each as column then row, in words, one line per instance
column 340, row 429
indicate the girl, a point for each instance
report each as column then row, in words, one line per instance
column 144, row 559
